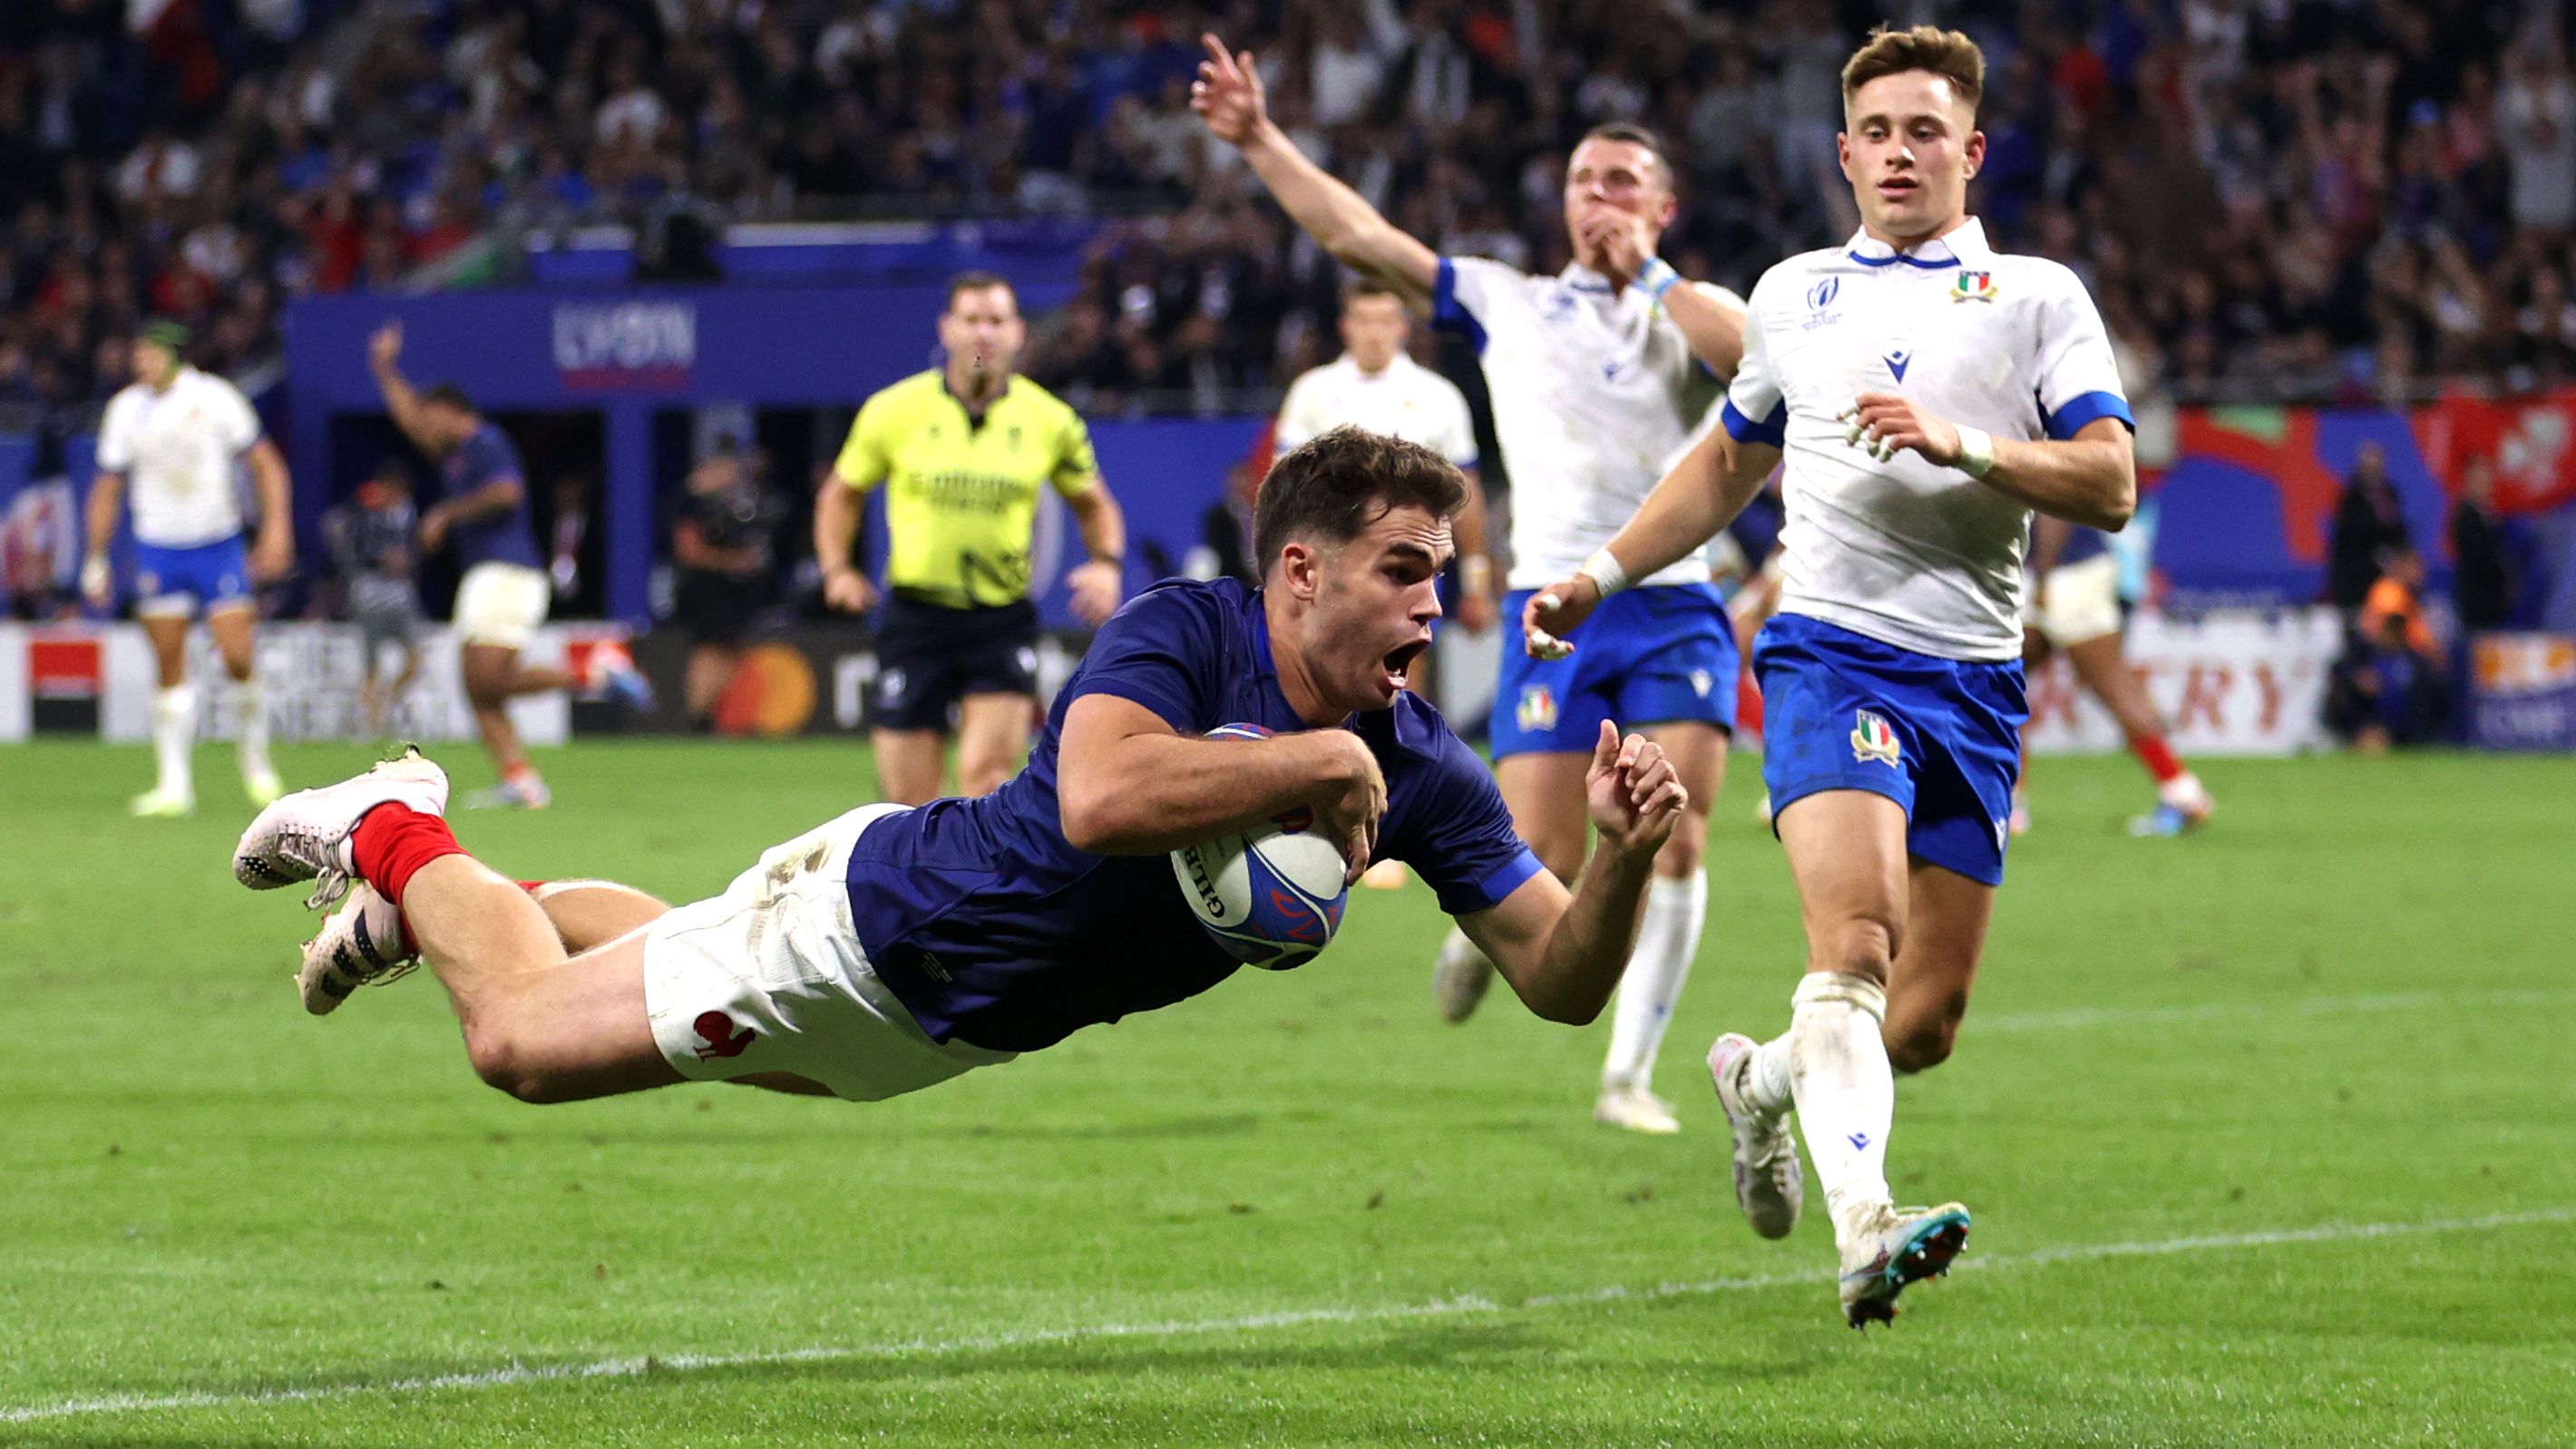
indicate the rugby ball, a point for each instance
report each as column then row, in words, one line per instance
column 1271, row 898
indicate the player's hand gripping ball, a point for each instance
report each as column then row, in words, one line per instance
column 1272, row 898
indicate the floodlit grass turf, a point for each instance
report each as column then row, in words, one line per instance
column 1321, row 1214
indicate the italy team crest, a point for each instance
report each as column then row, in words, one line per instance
column 1537, row 711
column 1872, row 738
column 1973, row 287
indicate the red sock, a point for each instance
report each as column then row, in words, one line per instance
column 2158, row 757
column 393, row 841
column 532, row 886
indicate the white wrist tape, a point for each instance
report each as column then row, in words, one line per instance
column 1657, row 277
column 1976, row 451
column 1603, row 569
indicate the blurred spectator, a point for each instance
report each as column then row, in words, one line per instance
column 723, row 546
column 2483, row 582
column 370, row 538
column 2369, row 527
column 2388, row 688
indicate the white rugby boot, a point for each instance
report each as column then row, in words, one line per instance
column 1459, row 977
column 305, row 835
column 1905, row 1246
column 1770, row 1185
column 360, row 944
column 1629, row 1105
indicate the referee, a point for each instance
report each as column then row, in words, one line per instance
column 962, row 451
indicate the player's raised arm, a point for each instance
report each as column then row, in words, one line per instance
column 1129, row 784
column 384, row 358
column 1702, row 494
column 1563, row 953
column 1228, row 97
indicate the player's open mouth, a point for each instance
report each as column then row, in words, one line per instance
column 1898, row 186
column 1400, row 660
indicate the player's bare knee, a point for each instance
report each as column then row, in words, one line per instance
column 1563, row 858
column 1680, row 857
column 509, row 1061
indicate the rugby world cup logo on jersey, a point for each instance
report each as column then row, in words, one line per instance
column 1872, row 738
column 1973, row 287
column 1820, row 301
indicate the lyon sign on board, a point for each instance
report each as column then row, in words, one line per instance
column 2233, row 683
column 637, row 346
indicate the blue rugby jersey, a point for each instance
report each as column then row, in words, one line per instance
column 994, row 931
column 504, row 537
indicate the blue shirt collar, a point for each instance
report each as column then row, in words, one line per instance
column 1966, row 245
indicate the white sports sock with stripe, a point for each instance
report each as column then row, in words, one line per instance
column 1845, row 1091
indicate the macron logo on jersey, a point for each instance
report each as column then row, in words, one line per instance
column 1897, row 361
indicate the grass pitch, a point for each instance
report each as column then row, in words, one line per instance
column 2267, row 1133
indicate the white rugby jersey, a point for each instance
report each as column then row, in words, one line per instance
column 1594, row 390
column 177, row 449
column 1403, row 400
column 1906, row 552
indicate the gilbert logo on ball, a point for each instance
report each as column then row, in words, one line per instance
column 1272, row 897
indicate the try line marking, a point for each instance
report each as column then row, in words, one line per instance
column 638, row 1367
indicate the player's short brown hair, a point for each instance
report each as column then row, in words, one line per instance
column 1634, row 135
column 1362, row 285
column 1945, row 53
column 1330, row 489
column 976, row 282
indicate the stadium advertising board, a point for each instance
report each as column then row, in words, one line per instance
column 2522, row 692
column 99, row 680
column 2234, row 683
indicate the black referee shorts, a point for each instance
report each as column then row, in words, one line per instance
column 930, row 657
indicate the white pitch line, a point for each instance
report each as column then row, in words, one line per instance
column 638, row 1367
column 2220, row 1010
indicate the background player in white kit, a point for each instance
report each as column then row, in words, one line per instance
column 1374, row 385
column 1595, row 379
column 176, row 434
column 1928, row 392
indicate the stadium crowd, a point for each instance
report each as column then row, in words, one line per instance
column 2309, row 200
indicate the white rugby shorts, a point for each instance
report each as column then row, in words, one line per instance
column 501, row 604
column 770, row 977
column 2083, row 602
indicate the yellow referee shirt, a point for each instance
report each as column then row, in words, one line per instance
column 962, row 494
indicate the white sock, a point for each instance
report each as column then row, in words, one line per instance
column 174, row 736
column 1768, row 1078
column 1666, row 941
column 2184, row 792
column 1846, row 1094
column 251, row 742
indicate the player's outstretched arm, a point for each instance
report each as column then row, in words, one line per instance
column 1702, row 494
column 1563, row 953
column 1228, row 97
column 2091, row 478
column 1127, row 783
